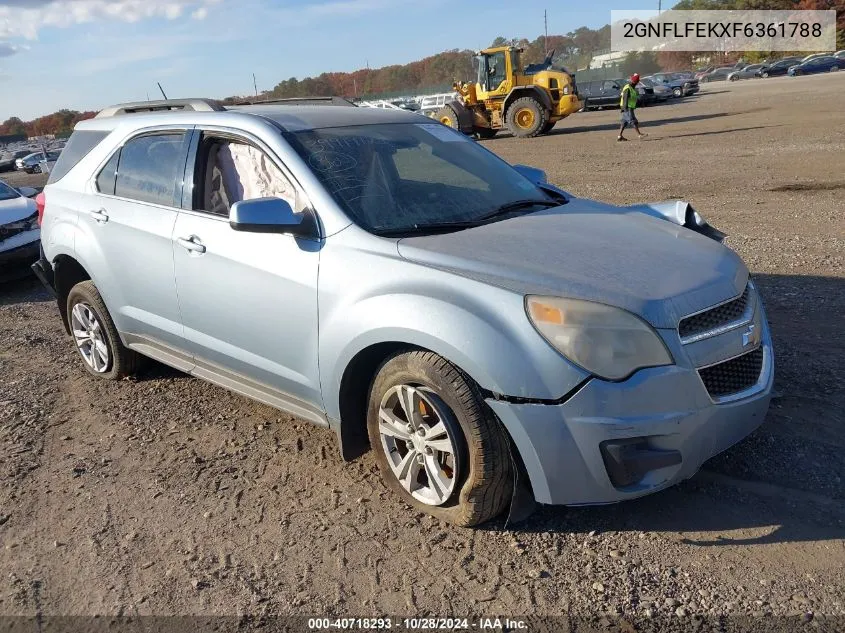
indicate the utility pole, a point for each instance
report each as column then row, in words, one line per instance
column 659, row 6
column 545, row 33
column 255, row 84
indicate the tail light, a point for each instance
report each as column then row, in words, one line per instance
column 40, row 203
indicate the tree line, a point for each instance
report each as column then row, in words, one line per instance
column 59, row 123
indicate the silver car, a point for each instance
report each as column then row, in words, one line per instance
column 493, row 338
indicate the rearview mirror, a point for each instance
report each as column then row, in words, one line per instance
column 271, row 215
column 537, row 176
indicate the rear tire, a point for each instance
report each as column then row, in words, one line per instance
column 476, row 485
column 677, row 92
column 526, row 117
column 95, row 335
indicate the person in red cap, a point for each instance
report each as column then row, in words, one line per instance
column 628, row 103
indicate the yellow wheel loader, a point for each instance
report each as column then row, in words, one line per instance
column 528, row 102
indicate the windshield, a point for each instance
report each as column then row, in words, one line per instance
column 7, row 193
column 408, row 175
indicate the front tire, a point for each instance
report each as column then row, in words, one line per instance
column 447, row 116
column 95, row 335
column 526, row 117
column 437, row 445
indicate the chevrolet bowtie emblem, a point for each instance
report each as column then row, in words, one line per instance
column 750, row 336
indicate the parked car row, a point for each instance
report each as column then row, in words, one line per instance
column 29, row 159
column 809, row 65
column 652, row 89
column 20, row 234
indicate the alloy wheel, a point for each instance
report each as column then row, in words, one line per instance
column 417, row 435
column 89, row 337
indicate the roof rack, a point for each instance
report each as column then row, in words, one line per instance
column 196, row 105
column 333, row 101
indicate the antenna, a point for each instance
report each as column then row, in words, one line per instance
column 162, row 90
column 255, row 84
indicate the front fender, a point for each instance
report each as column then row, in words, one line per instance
column 495, row 346
column 681, row 213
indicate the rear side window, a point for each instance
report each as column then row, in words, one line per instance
column 106, row 177
column 77, row 148
column 149, row 167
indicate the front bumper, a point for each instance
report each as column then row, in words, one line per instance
column 16, row 262
column 667, row 409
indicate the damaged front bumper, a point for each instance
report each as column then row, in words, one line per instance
column 610, row 442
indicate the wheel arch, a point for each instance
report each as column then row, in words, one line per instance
column 357, row 377
column 528, row 91
column 67, row 272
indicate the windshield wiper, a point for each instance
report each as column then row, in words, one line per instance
column 457, row 225
column 518, row 205
column 432, row 227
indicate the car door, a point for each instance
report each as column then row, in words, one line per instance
column 129, row 224
column 610, row 93
column 248, row 300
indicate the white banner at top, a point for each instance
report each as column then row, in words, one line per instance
column 639, row 31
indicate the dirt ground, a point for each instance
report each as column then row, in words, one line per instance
column 167, row 495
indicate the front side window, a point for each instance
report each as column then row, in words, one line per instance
column 149, row 168
column 496, row 71
column 229, row 171
column 391, row 177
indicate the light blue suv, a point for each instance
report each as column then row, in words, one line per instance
column 492, row 337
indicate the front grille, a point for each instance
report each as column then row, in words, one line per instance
column 715, row 317
column 733, row 376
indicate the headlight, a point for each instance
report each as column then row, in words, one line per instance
column 27, row 224
column 606, row 341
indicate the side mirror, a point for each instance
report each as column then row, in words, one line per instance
column 27, row 192
column 271, row 215
column 537, row 176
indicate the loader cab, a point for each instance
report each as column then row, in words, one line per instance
column 495, row 68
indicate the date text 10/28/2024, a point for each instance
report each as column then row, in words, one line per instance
column 417, row 624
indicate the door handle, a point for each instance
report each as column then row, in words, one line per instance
column 99, row 215
column 192, row 244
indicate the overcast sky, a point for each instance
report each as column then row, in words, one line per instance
column 85, row 54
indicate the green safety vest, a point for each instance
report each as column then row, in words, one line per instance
column 631, row 96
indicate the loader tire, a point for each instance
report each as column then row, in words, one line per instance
column 526, row 117
column 447, row 116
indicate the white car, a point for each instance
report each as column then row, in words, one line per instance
column 20, row 234
column 430, row 105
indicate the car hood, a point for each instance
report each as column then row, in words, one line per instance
column 16, row 209
column 593, row 251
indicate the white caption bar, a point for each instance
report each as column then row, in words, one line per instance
column 638, row 31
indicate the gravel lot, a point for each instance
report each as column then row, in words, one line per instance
column 167, row 495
